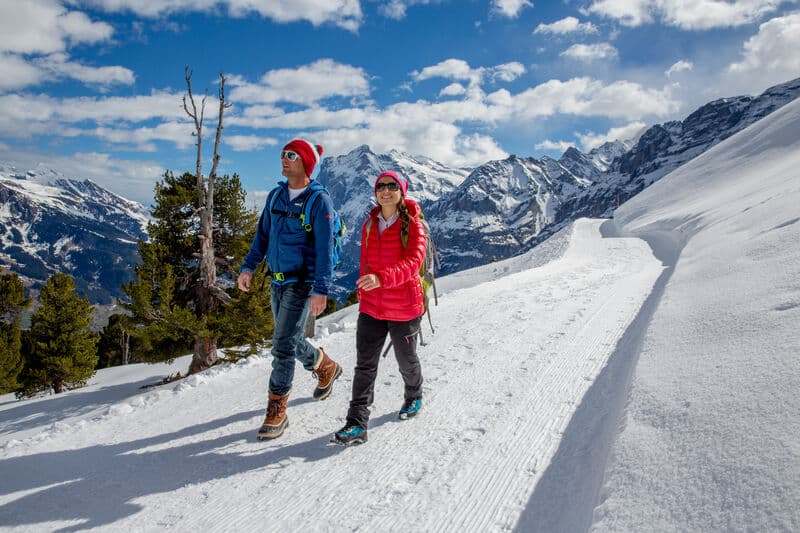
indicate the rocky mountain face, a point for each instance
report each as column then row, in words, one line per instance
column 49, row 224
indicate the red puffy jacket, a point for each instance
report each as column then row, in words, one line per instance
column 399, row 298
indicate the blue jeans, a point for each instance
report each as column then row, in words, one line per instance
column 290, row 307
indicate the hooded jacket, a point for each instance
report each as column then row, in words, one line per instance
column 289, row 249
column 399, row 297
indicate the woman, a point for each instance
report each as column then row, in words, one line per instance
column 390, row 301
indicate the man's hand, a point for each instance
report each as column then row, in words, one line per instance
column 368, row 282
column 244, row 280
column 318, row 303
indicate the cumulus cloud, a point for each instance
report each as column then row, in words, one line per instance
column 45, row 26
column 507, row 71
column 248, row 143
column 322, row 79
column 694, row 15
column 454, row 89
column 459, row 70
column 343, row 13
column 27, row 115
column 396, row 9
column 590, row 52
column 18, row 73
column 770, row 56
column 510, row 8
column 679, row 66
column 566, row 26
column 592, row 140
column 560, row 146
column 59, row 65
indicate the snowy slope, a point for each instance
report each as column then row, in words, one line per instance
column 712, row 433
column 185, row 455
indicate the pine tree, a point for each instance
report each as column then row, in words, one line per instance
column 167, row 319
column 12, row 303
column 62, row 350
column 116, row 345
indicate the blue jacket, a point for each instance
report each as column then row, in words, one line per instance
column 289, row 249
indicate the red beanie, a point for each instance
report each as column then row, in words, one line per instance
column 309, row 153
column 396, row 176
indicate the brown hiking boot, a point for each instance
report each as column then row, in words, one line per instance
column 326, row 371
column 276, row 420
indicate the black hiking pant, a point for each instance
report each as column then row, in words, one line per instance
column 370, row 338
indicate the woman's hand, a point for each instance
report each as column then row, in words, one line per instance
column 368, row 282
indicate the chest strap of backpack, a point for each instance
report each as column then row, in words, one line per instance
column 305, row 220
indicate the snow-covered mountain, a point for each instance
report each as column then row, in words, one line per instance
column 49, row 223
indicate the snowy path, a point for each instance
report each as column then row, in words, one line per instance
column 508, row 367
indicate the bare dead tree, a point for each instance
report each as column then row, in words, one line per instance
column 209, row 295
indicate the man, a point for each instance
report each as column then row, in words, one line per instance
column 300, row 258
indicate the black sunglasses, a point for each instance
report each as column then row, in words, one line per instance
column 391, row 185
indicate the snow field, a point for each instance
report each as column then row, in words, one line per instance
column 504, row 373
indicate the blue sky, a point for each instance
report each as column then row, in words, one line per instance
column 93, row 87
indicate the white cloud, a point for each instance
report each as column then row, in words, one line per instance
column 458, row 69
column 45, row 26
column 248, row 143
column 453, row 69
column 178, row 133
column 18, row 73
column 590, row 52
column 27, row 115
column 507, row 71
column 454, row 89
column 435, row 129
column 592, row 140
column 584, row 97
column 510, row 8
column 312, row 117
column 566, row 26
column 560, row 146
column 770, row 56
column 686, row 14
column 679, row 66
column 60, row 65
column 343, row 13
column 396, row 9
column 322, row 79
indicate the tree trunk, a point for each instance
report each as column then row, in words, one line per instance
column 58, row 386
column 208, row 294
column 126, row 347
column 205, row 355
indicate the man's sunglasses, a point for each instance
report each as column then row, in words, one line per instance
column 288, row 154
column 391, row 185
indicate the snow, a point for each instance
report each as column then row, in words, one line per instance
column 628, row 375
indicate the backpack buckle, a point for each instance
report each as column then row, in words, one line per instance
column 278, row 276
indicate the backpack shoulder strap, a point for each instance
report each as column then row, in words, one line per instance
column 308, row 204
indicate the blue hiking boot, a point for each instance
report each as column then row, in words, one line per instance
column 349, row 435
column 410, row 408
